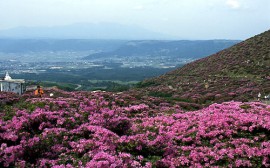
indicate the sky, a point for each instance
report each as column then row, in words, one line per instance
column 185, row 19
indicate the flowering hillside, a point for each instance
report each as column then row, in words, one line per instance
column 240, row 72
column 171, row 121
column 101, row 129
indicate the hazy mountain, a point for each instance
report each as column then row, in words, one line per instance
column 84, row 31
column 38, row 45
column 237, row 73
column 183, row 48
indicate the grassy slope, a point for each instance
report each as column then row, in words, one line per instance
column 239, row 73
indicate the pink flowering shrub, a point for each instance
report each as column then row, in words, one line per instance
column 84, row 129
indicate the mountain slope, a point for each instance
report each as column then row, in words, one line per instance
column 237, row 73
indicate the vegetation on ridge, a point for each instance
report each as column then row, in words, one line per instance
column 239, row 73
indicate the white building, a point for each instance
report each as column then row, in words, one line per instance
column 7, row 84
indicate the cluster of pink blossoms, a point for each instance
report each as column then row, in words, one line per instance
column 101, row 130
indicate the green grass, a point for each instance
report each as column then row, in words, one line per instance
column 114, row 81
column 63, row 86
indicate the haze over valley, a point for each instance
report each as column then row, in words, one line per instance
column 80, row 61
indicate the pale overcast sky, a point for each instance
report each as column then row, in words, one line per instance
column 190, row 19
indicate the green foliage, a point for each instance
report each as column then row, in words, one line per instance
column 160, row 94
column 150, row 153
column 122, row 128
column 206, row 142
column 245, row 106
column 114, row 87
column 30, row 107
column 60, row 85
column 69, row 79
column 257, row 161
column 224, row 162
column 31, row 154
column 8, row 111
column 251, row 134
column 144, row 84
column 179, row 99
column 153, row 159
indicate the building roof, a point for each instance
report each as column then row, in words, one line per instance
column 7, row 78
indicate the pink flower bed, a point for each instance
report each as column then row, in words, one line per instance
column 98, row 130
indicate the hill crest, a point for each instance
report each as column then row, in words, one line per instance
column 236, row 73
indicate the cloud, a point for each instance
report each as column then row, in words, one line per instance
column 234, row 4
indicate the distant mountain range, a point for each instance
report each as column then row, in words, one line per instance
column 40, row 45
column 240, row 72
column 84, row 31
column 183, row 48
column 119, row 48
